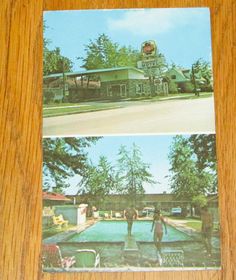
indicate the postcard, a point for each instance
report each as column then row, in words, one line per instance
column 130, row 203
column 129, row 145
column 127, row 72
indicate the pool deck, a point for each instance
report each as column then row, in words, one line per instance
column 181, row 226
column 63, row 236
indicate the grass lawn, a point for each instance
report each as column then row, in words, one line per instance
column 194, row 224
column 66, row 110
column 55, row 230
column 60, row 109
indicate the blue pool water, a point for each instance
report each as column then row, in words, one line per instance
column 115, row 231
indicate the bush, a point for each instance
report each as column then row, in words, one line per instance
column 206, row 88
column 48, row 96
column 173, row 87
column 186, row 87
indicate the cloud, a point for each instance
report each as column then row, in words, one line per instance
column 156, row 21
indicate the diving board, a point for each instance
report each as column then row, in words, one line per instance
column 130, row 244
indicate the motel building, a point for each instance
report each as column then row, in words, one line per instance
column 110, row 83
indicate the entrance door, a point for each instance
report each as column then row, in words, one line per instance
column 115, row 89
column 118, row 90
column 165, row 88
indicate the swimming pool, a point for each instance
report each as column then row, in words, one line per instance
column 116, row 231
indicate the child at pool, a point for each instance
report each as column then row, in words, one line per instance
column 157, row 225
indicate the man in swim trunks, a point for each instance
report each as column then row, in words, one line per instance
column 207, row 227
column 157, row 225
column 130, row 214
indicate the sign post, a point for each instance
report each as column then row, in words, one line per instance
column 152, row 62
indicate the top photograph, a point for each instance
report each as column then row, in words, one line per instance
column 131, row 71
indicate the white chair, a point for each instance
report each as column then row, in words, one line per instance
column 172, row 258
column 118, row 215
column 87, row 258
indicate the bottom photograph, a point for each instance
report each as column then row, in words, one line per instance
column 130, row 203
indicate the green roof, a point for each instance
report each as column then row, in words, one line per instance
column 93, row 71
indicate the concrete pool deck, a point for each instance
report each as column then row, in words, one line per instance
column 62, row 236
column 114, row 257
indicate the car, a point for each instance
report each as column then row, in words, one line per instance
column 148, row 211
column 176, row 211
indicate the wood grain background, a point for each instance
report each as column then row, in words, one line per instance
column 21, row 129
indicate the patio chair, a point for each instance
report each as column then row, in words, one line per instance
column 52, row 258
column 87, row 258
column 173, row 258
column 118, row 215
column 59, row 221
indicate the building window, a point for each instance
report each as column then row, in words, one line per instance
column 173, row 77
column 123, row 90
column 109, row 91
column 139, row 88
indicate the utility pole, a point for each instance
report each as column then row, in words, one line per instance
column 64, row 78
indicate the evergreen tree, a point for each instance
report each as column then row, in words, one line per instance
column 133, row 172
column 98, row 181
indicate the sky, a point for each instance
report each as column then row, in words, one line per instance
column 183, row 35
column 154, row 148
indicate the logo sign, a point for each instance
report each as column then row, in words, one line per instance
column 149, row 49
column 149, row 63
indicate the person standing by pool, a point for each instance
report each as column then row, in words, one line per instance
column 157, row 225
column 207, row 227
column 130, row 215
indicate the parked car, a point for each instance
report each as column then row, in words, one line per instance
column 148, row 211
column 176, row 211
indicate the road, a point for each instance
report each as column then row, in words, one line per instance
column 172, row 116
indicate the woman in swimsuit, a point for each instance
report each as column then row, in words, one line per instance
column 157, row 225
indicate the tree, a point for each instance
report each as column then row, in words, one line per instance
column 183, row 178
column 54, row 62
column 201, row 69
column 204, row 147
column 98, row 181
column 199, row 201
column 187, row 180
column 103, row 53
column 63, row 158
column 133, row 172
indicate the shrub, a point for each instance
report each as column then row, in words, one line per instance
column 173, row 87
column 186, row 87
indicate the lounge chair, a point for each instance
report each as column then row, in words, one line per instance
column 59, row 221
column 52, row 258
column 87, row 258
column 118, row 215
column 173, row 258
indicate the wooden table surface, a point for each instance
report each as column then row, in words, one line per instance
column 21, row 134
